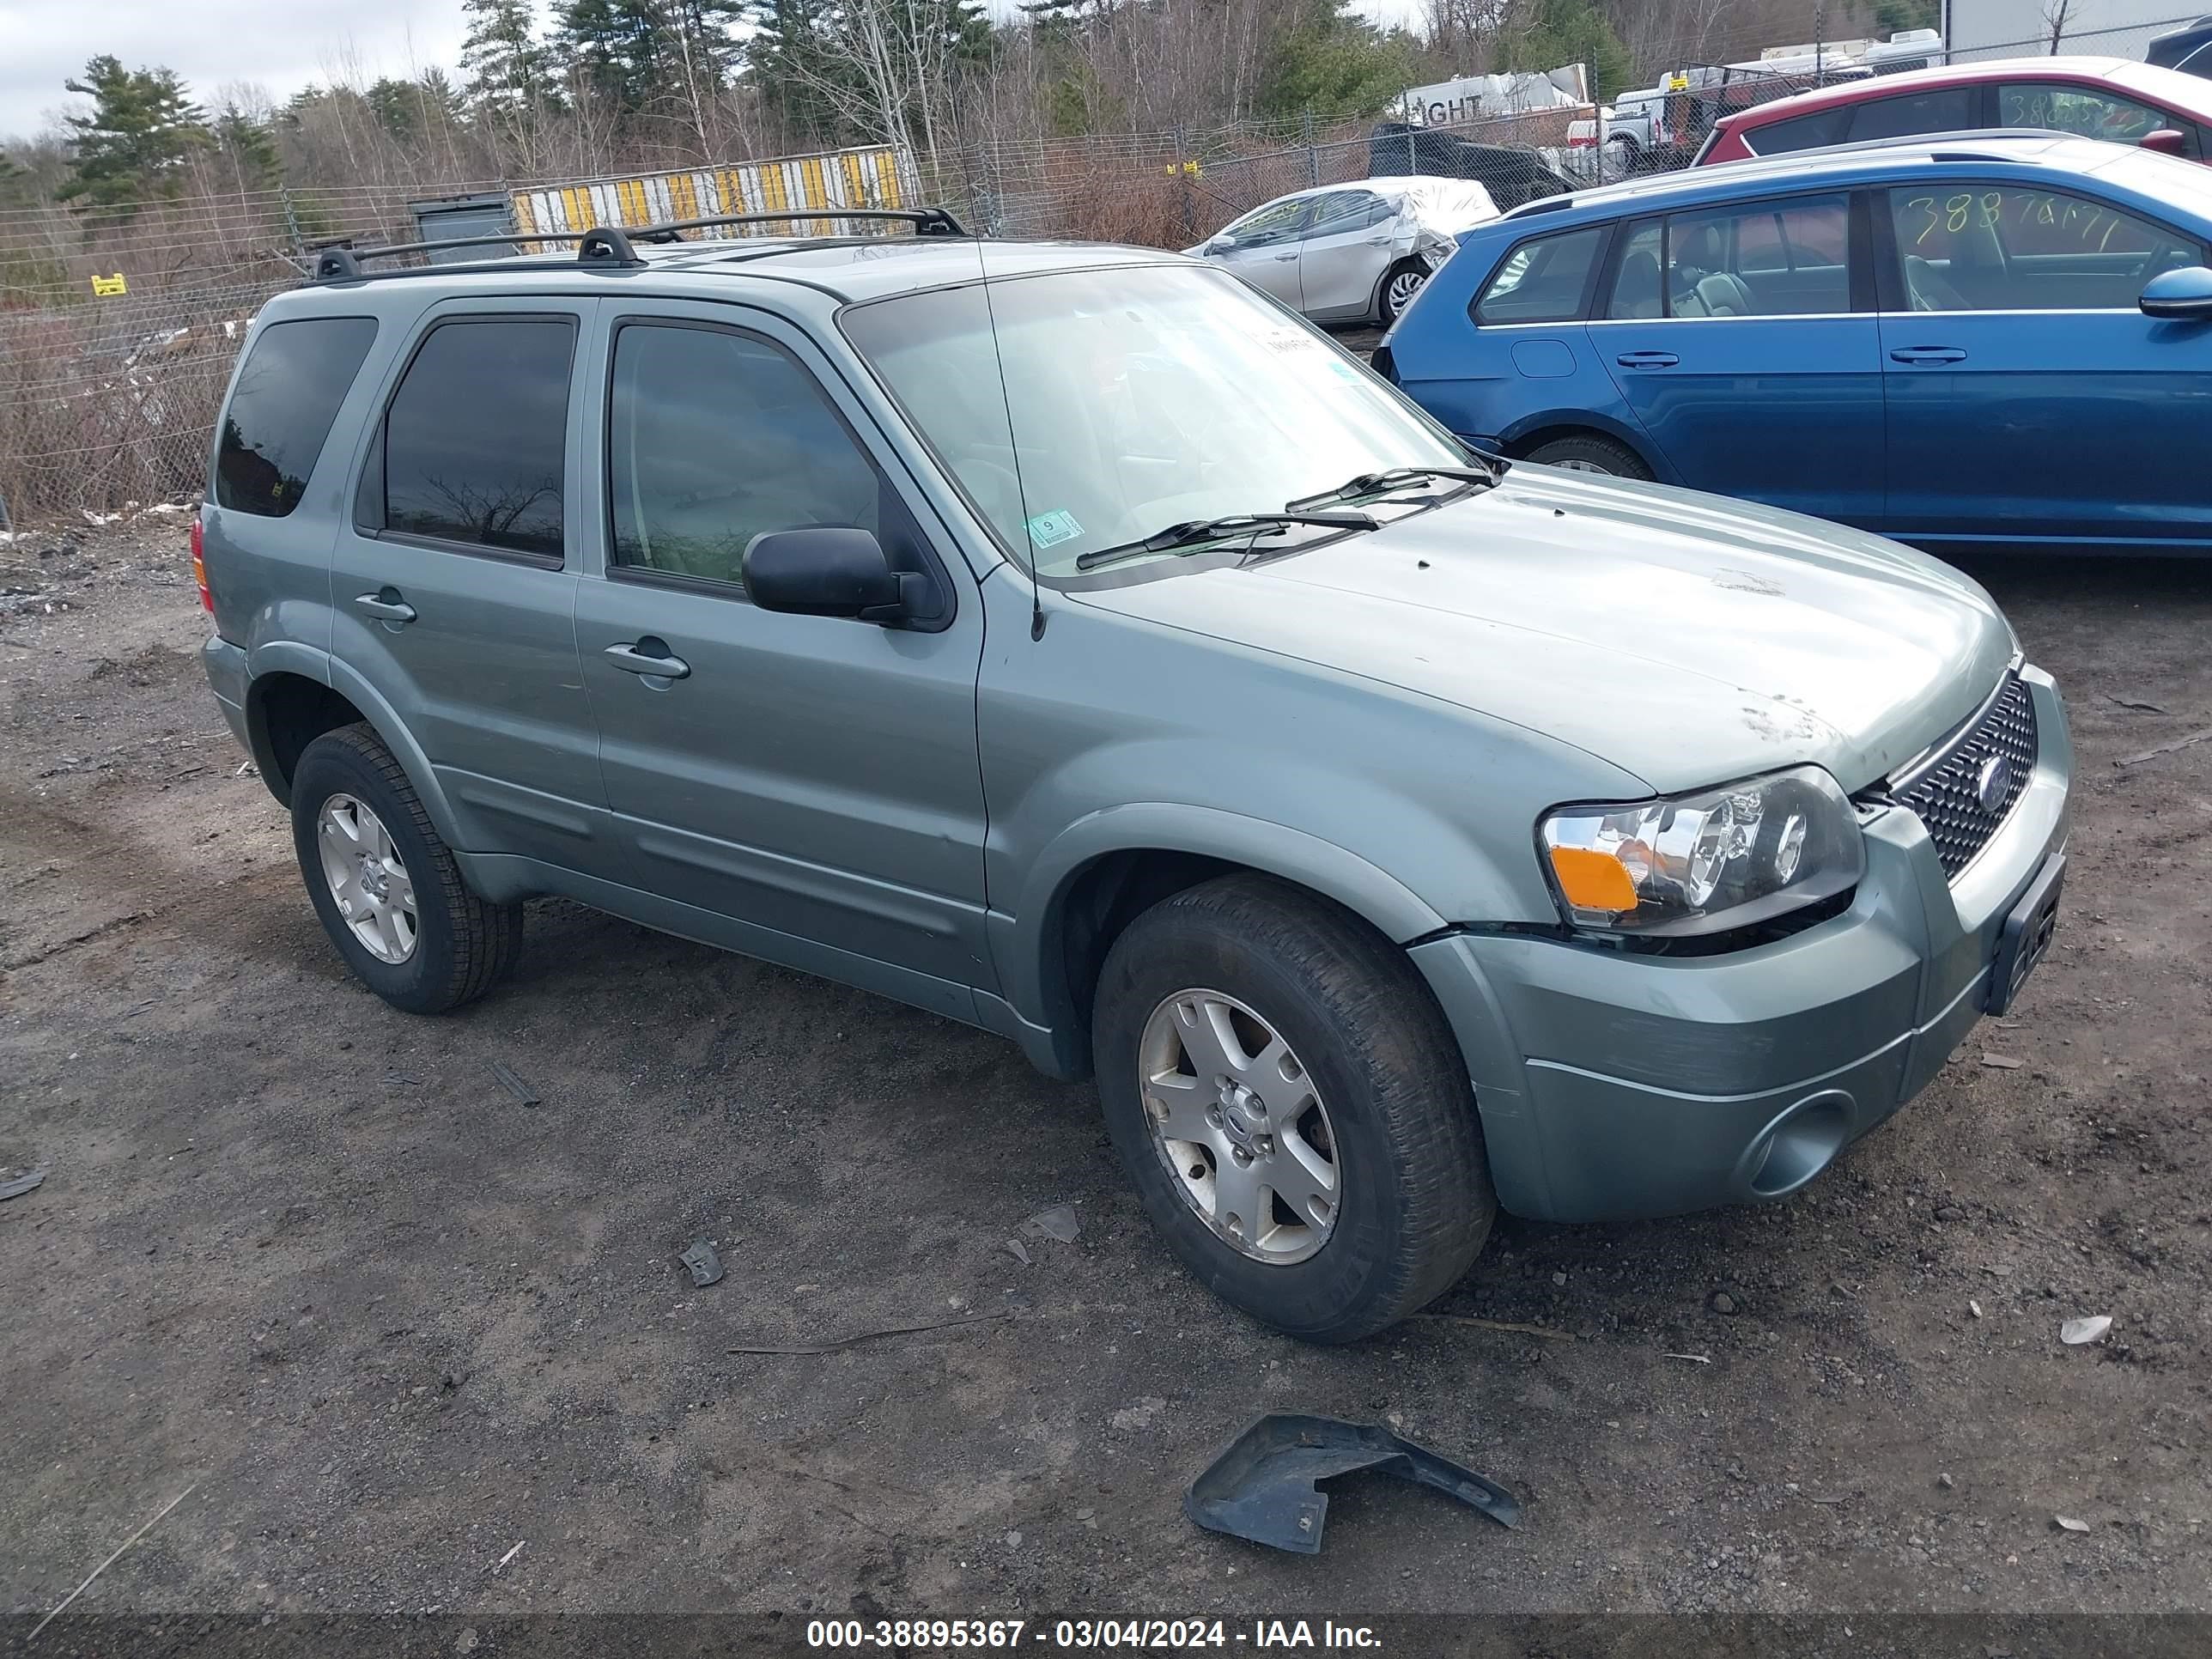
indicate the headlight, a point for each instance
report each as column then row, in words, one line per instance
column 1705, row 863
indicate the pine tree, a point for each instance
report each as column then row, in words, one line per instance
column 510, row 70
column 612, row 46
column 250, row 161
column 143, row 127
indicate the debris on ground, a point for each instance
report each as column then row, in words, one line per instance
column 1138, row 1414
column 2003, row 1062
column 1016, row 1249
column 108, row 1563
column 514, row 1084
column 1263, row 1487
column 1058, row 1222
column 2068, row 1523
column 2136, row 703
column 2164, row 749
column 699, row 1256
column 2076, row 1332
column 1513, row 1326
column 1723, row 1302
column 1947, row 1483
column 835, row 1343
column 1973, row 1307
column 22, row 1184
column 512, row 1553
column 1694, row 1359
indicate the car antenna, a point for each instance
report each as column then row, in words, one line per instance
column 1013, row 446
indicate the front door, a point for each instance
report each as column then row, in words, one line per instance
column 2029, row 399
column 1733, row 335
column 1263, row 247
column 453, row 582
column 813, row 778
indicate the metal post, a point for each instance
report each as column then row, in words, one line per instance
column 292, row 221
column 1313, row 155
column 1820, row 38
column 1182, row 186
column 1597, row 109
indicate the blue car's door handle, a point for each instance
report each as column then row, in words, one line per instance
column 1929, row 355
column 1647, row 359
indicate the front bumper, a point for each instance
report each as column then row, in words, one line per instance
column 1614, row 1085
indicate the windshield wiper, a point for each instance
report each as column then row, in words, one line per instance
column 1196, row 531
column 1371, row 483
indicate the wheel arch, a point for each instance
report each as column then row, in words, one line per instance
column 1104, row 872
column 1532, row 432
column 287, row 709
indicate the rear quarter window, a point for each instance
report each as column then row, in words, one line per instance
column 1544, row 280
column 1822, row 126
column 295, row 376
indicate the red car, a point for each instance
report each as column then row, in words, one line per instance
column 2109, row 97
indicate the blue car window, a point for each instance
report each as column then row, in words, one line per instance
column 1636, row 288
column 1789, row 258
column 1542, row 281
column 1989, row 247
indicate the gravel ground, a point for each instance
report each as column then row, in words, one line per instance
column 309, row 1253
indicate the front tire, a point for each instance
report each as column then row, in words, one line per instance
column 386, row 886
column 1291, row 1107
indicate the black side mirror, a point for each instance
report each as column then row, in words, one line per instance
column 830, row 570
column 2185, row 294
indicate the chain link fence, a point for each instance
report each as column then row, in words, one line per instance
column 108, row 397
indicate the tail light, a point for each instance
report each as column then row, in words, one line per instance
column 199, row 570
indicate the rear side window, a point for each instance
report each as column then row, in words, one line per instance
column 2089, row 111
column 295, row 376
column 1542, row 281
column 1822, row 126
column 476, row 439
column 1947, row 109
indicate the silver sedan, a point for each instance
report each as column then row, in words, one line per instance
column 1350, row 253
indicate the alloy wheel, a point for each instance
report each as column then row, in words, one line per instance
column 368, row 881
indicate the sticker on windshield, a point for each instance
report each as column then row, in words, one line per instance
column 1051, row 529
column 1344, row 371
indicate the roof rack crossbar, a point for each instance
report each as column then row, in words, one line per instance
column 613, row 246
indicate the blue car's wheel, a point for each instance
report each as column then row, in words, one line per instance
column 1590, row 454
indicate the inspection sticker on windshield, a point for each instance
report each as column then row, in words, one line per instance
column 1290, row 339
column 1051, row 529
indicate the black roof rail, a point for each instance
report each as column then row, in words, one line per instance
column 606, row 246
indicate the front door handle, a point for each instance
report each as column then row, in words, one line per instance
column 1292, row 254
column 1378, row 241
column 1647, row 359
column 633, row 657
column 1929, row 355
column 386, row 605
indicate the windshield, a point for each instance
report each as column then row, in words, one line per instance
column 1141, row 396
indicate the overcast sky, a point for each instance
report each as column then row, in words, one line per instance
column 280, row 45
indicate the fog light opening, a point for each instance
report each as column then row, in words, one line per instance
column 1798, row 1144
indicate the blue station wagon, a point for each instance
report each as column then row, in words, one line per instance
column 1958, row 340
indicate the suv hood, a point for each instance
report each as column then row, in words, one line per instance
column 1684, row 638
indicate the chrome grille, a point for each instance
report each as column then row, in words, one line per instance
column 1947, row 795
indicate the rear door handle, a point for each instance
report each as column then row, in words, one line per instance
column 1929, row 355
column 1292, row 254
column 1647, row 359
column 632, row 657
column 386, row 605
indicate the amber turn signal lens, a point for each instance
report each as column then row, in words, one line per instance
column 1593, row 881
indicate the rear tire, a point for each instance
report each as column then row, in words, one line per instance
column 386, row 886
column 1369, row 1088
column 1589, row 453
column 1400, row 283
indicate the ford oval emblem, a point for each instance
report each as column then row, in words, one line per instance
column 1993, row 783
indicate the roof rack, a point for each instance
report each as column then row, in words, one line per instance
column 604, row 246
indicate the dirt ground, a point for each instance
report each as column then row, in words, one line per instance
column 309, row 1258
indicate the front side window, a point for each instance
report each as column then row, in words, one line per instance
column 2090, row 111
column 1778, row 259
column 714, row 438
column 295, row 376
column 1133, row 398
column 1947, row 109
column 1987, row 247
column 476, row 437
column 1541, row 281
column 1278, row 222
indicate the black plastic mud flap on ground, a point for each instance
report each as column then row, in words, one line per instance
column 1262, row 1487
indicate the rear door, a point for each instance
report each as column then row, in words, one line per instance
column 814, row 777
column 453, row 582
column 1344, row 252
column 1743, row 338
column 1266, row 251
column 2029, row 399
